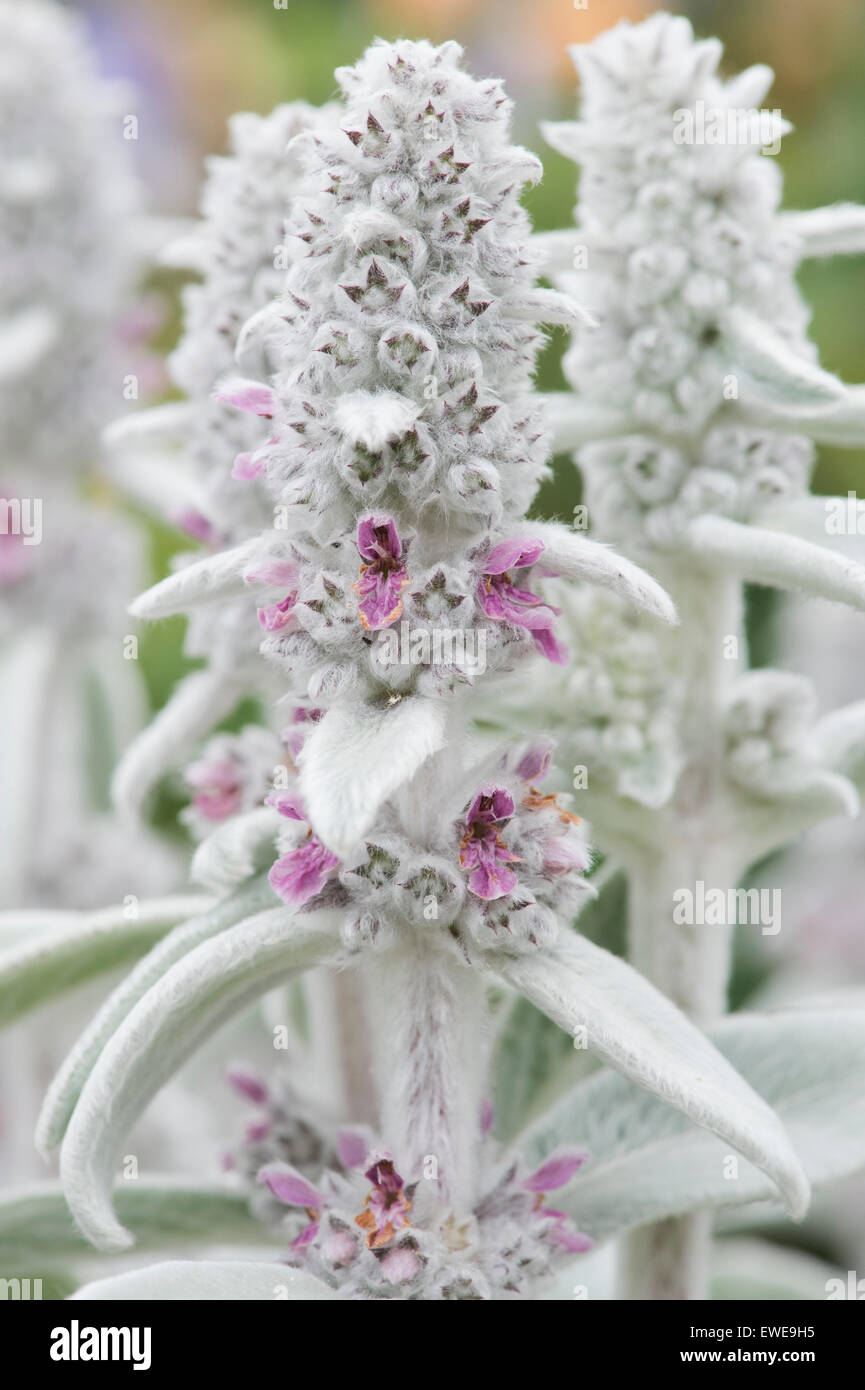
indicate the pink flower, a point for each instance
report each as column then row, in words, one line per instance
column 14, row 559
column 482, row 849
column 291, row 1187
column 248, row 1085
column 384, row 576
column 218, row 787
column 557, row 1171
column 386, row 1206
column 275, row 616
column 301, row 873
column 504, row 601
column 534, row 764
column 250, row 396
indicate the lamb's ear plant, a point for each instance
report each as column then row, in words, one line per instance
column 694, row 410
column 396, row 577
column 72, row 233
column 194, row 462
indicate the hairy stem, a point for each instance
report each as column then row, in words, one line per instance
column 688, row 960
column 428, row 1013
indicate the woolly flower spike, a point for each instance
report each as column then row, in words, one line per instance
column 70, row 240
column 402, row 403
column 369, row 1234
column 500, row 866
column 700, row 393
column 615, row 709
column 212, row 488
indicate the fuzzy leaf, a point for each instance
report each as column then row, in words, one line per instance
column 840, row 741
column 841, row 425
column 237, row 849
column 768, row 557
column 169, row 422
column 199, row 702
column 190, row 1002
column 92, row 943
column 161, row 1212
column 573, row 421
column 757, row 1270
column 832, row 231
column 199, row 1280
column 25, row 338
column 66, row 1086
column 360, row 754
column 213, row 577
column 649, row 1163
column 777, row 372
column 577, row 558
column 635, row 1029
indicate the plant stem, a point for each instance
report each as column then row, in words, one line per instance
column 428, row 1012
column 688, row 961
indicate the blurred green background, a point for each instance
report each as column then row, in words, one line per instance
column 195, row 62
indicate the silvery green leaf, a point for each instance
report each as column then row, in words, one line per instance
column 66, row 1086
column 575, row 557
column 157, row 479
column 554, row 251
column 573, row 421
column 167, row 422
column 776, row 370
column 35, row 1222
column 360, row 754
column 547, row 306
column 89, row 944
column 179, row 1280
column 841, row 425
column 782, row 561
column 532, row 1060
column 760, row 1270
column 649, row 1163
column 216, row 576
column 630, row 1025
column 566, row 137
column 237, row 849
column 840, row 741
column 198, row 703
column 834, row 231
column 191, row 1001
column 25, row 338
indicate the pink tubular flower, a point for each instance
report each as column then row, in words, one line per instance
column 557, row 1172
column 195, row 524
column 247, row 1085
column 386, row 1206
column 384, row 576
column 291, row 1187
column 301, row 873
column 503, row 601
column 275, row 616
column 482, row 849
column 217, row 786
column 250, row 396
